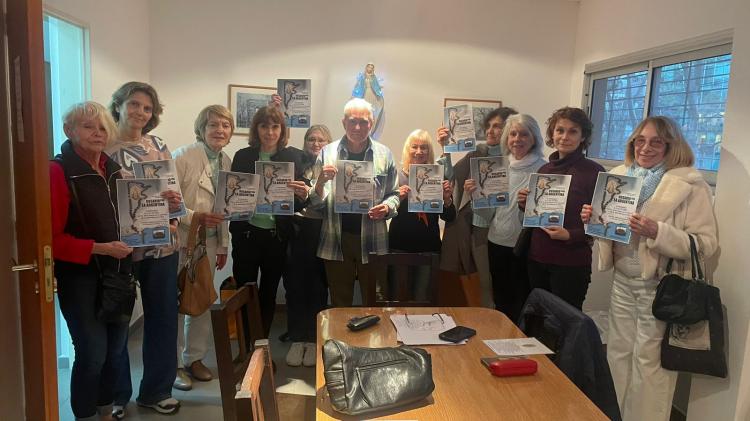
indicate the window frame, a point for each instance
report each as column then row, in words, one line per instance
column 697, row 48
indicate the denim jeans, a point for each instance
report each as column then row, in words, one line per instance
column 158, row 280
column 97, row 344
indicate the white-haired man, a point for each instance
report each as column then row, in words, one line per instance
column 346, row 239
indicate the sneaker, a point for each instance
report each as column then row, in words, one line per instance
column 182, row 380
column 310, row 357
column 295, row 354
column 118, row 412
column 165, row 406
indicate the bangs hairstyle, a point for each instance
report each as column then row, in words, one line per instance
column 358, row 104
column 678, row 153
column 577, row 116
column 502, row 112
column 418, row 134
column 125, row 91
column 529, row 123
column 322, row 128
column 90, row 110
column 202, row 120
column 268, row 115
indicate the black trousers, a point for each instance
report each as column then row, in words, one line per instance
column 510, row 281
column 567, row 282
column 304, row 280
column 259, row 249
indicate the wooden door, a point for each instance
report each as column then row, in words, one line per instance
column 30, row 157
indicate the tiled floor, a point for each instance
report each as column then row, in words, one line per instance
column 203, row 402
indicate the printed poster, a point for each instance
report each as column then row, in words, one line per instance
column 295, row 101
column 355, row 187
column 274, row 197
column 459, row 120
column 490, row 174
column 545, row 204
column 143, row 212
column 165, row 169
column 615, row 199
column 426, row 188
column 236, row 195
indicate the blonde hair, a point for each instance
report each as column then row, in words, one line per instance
column 678, row 153
column 205, row 114
column 418, row 134
column 530, row 124
column 90, row 110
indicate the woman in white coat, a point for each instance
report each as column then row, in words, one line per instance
column 675, row 202
column 198, row 167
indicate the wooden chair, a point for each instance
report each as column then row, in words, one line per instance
column 244, row 308
column 397, row 271
column 256, row 398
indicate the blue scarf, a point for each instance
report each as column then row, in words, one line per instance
column 651, row 178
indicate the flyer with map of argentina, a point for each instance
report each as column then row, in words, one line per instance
column 295, row 101
column 491, row 177
column 459, row 120
column 615, row 199
column 426, row 188
column 355, row 187
column 274, row 197
column 236, row 195
column 143, row 213
column 545, row 204
column 165, row 169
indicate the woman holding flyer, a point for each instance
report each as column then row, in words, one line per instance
column 522, row 143
column 136, row 109
column 305, row 276
column 418, row 232
column 198, row 167
column 260, row 244
column 559, row 257
column 674, row 203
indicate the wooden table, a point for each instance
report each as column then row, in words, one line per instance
column 464, row 389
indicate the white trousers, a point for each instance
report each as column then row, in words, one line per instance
column 194, row 332
column 644, row 389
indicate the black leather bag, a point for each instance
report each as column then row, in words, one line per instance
column 523, row 242
column 680, row 300
column 117, row 294
column 361, row 380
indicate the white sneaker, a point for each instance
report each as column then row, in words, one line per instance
column 295, row 354
column 310, row 357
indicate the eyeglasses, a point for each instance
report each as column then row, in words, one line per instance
column 357, row 121
column 655, row 143
column 314, row 140
column 436, row 324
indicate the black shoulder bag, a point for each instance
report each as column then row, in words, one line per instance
column 694, row 339
column 117, row 291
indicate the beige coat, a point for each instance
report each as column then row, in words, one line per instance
column 194, row 174
column 681, row 204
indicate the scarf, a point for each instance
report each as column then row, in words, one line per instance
column 651, row 178
column 524, row 162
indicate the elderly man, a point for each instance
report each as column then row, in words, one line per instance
column 346, row 239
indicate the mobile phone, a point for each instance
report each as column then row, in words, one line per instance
column 359, row 323
column 457, row 334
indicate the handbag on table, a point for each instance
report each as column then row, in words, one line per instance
column 196, row 277
column 361, row 380
column 694, row 339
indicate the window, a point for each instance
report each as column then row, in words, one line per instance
column 687, row 82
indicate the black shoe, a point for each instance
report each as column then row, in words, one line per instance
column 284, row 337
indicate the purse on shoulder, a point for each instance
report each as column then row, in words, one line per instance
column 361, row 380
column 680, row 300
column 196, row 277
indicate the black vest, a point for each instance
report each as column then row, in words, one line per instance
column 97, row 196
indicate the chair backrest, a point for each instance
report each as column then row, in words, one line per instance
column 405, row 279
column 242, row 309
column 256, row 397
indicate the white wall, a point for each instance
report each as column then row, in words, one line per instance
column 607, row 29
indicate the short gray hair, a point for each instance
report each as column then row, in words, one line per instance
column 530, row 124
column 358, row 104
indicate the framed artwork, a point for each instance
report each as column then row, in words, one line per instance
column 244, row 101
column 479, row 107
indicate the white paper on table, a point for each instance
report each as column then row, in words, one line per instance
column 517, row 347
column 423, row 329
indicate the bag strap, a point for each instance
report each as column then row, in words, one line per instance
column 197, row 232
column 695, row 266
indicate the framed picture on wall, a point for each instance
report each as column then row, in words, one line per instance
column 244, row 101
column 480, row 108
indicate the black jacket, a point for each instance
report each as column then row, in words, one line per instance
column 244, row 161
column 97, row 196
column 574, row 338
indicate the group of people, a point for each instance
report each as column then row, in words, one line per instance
column 320, row 252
